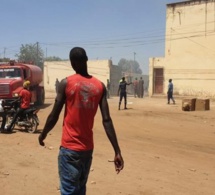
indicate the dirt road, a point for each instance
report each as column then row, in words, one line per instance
column 166, row 152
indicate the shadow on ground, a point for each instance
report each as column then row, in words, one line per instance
column 44, row 106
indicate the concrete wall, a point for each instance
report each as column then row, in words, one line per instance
column 189, row 49
column 115, row 76
column 101, row 69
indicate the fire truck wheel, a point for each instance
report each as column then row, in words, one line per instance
column 41, row 97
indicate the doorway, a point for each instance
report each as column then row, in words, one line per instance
column 158, row 81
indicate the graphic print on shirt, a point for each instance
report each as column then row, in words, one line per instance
column 86, row 91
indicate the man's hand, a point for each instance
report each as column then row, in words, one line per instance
column 119, row 163
column 41, row 139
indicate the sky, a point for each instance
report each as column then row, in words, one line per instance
column 106, row 29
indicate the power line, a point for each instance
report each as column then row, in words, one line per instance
column 154, row 36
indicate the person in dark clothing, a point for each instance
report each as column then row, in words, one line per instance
column 108, row 89
column 170, row 92
column 122, row 92
column 141, row 87
column 56, row 84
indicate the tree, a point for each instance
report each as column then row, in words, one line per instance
column 130, row 66
column 53, row 58
column 31, row 53
column 4, row 59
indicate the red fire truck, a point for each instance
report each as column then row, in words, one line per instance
column 12, row 76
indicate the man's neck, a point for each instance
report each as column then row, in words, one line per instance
column 84, row 74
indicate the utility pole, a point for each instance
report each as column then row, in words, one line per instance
column 4, row 51
column 133, row 65
column 37, row 53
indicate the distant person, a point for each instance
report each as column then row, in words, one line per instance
column 57, row 82
column 122, row 92
column 135, row 85
column 81, row 94
column 108, row 88
column 141, row 87
column 170, row 92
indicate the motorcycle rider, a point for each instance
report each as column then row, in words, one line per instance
column 25, row 100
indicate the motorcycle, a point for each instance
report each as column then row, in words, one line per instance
column 27, row 121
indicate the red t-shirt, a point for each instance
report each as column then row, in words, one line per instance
column 25, row 98
column 82, row 99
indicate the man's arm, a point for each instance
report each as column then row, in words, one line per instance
column 54, row 115
column 110, row 131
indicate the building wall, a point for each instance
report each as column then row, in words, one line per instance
column 189, row 49
column 115, row 76
column 101, row 69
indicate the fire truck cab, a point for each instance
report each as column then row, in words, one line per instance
column 12, row 76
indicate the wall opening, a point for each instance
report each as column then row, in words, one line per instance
column 158, row 81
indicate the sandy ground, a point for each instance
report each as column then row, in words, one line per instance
column 166, row 151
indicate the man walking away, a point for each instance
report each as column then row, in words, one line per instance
column 170, row 92
column 141, row 87
column 81, row 94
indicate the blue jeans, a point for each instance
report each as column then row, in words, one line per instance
column 74, row 168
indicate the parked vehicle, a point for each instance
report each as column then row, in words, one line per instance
column 27, row 121
column 12, row 76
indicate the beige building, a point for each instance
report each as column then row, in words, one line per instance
column 101, row 69
column 189, row 51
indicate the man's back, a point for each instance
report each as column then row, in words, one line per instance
column 25, row 98
column 135, row 83
column 83, row 95
column 141, row 83
column 122, row 86
column 170, row 87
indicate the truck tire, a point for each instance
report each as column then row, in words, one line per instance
column 40, row 97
